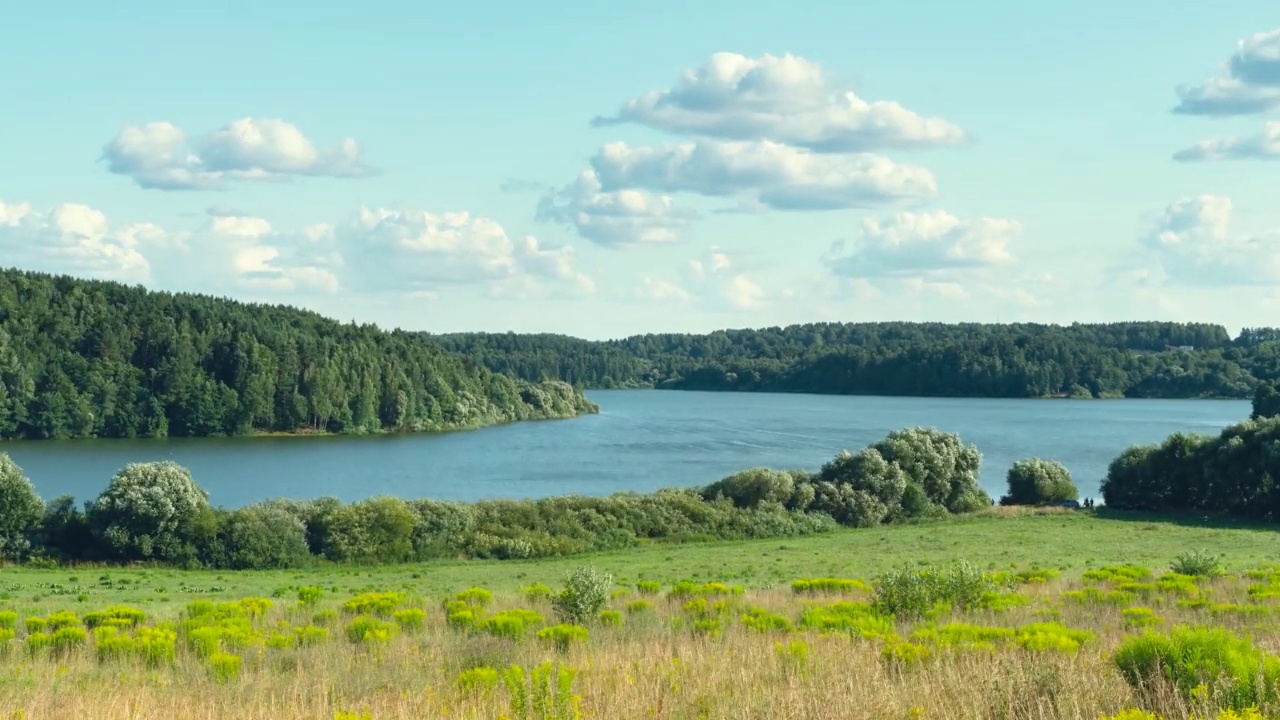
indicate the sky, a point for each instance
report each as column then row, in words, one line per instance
column 606, row 169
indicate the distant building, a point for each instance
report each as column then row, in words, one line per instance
column 1181, row 348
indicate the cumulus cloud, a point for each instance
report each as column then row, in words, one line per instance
column 76, row 239
column 408, row 249
column 912, row 245
column 619, row 217
column 663, row 291
column 161, row 156
column 716, row 272
column 786, row 99
column 1248, row 83
column 1263, row 146
column 1192, row 244
column 776, row 175
column 400, row 251
column 743, row 293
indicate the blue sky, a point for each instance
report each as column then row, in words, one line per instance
column 750, row 165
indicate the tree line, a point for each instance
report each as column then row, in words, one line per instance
column 1133, row 359
column 1235, row 473
column 156, row 512
column 83, row 358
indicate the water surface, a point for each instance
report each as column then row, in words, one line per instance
column 642, row 440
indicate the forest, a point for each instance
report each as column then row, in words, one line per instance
column 85, row 359
column 1115, row 360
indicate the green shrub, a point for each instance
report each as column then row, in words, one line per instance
column 411, row 619
column 610, row 618
column 906, row 592
column 309, row 595
column 648, row 587
column 120, row 615
column 155, row 646
column 35, row 624
column 310, row 635
column 1140, row 617
column 964, row 636
column 151, row 511
column 68, row 639
column 1232, row 670
column 224, row 667
column 1198, row 564
column 563, row 636
column 828, row 585
column 585, row 593
column 762, row 620
column 38, row 642
column 857, row 619
column 379, row 604
column 61, row 619
column 545, row 693
column 110, row 644
column 903, row 654
column 1118, row 573
column 8, row 619
column 510, row 624
column 535, row 593
column 639, row 606
column 1038, row 482
column 6, row 636
column 481, row 680
column 365, row 630
column 262, row 537
column 475, row 597
column 21, row 510
column 1042, row 637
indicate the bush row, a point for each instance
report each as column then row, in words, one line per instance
column 1233, row 474
column 156, row 512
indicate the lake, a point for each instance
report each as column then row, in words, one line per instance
column 642, row 440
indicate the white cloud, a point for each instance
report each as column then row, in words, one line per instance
column 1263, row 146
column 411, row 249
column 621, row 217
column 76, row 239
column 401, row 251
column 775, row 175
column 786, row 99
column 715, row 271
column 1192, row 244
column 160, row 156
column 713, row 263
column 743, row 293
column 664, row 291
column 912, row 245
column 1248, row 83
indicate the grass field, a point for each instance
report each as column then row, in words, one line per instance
column 1071, row 542
column 1042, row 649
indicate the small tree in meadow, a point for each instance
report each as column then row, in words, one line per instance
column 1035, row 482
column 148, row 511
column 586, row 590
column 21, row 510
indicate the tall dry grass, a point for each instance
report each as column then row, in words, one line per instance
column 653, row 666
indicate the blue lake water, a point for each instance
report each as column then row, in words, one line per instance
column 641, row 441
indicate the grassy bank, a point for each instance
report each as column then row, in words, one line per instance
column 1000, row 538
column 1043, row 646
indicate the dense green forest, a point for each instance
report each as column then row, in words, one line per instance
column 95, row 359
column 1137, row 359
